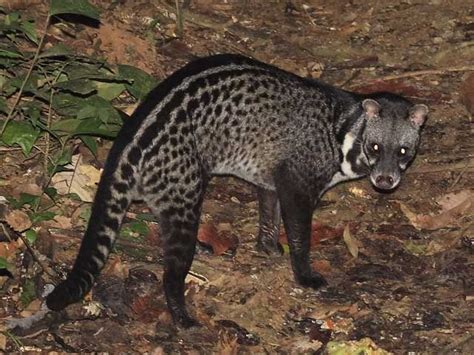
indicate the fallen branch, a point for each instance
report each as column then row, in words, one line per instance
column 426, row 72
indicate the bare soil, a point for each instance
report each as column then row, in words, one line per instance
column 402, row 271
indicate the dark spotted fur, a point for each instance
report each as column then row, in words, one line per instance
column 228, row 114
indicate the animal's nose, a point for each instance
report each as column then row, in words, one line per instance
column 382, row 179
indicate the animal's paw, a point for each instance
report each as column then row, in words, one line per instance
column 270, row 247
column 186, row 322
column 314, row 280
column 182, row 319
column 64, row 294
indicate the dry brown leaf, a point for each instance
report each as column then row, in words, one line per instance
column 82, row 180
column 3, row 342
column 220, row 242
column 62, row 222
column 116, row 267
column 451, row 200
column 7, row 250
column 467, row 94
column 28, row 188
column 19, row 4
column 322, row 266
column 351, row 242
column 447, row 218
column 227, row 345
column 18, row 220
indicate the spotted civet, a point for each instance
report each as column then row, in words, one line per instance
column 293, row 138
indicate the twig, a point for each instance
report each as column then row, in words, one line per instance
column 33, row 254
column 455, row 182
column 6, row 233
column 426, row 72
column 27, row 77
column 179, row 19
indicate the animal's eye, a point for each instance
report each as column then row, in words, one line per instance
column 375, row 147
column 403, row 151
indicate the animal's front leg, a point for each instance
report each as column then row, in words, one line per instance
column 269, row 222
column 297, row 210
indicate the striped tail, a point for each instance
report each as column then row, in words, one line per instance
column 112, row 200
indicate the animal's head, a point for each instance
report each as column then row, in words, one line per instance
column 391, row 137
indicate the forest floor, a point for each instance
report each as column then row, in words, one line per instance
column 400, row 266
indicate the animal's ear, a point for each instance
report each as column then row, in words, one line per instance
column 418, row 114
column 371, row 108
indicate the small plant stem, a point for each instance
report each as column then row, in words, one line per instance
column 179, row 19
column 27, row 77
column 7, row 235
column 47, row 136
column 34, row 256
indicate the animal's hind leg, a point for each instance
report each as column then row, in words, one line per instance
column 178, row 209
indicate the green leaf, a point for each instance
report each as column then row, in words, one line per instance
column 28, row 293
column 94, row 127
column 85, row 214
column 32, row 110
column 139, row 227
column 65, row 157
column 90, row 143
column 85, row 127
column 3, row 105
column 77, row 86
column 31, row 236
column 9, row 53
column 31, row 85
column 67, row 104
column 51, row 192
column 142, row 82
column 109, row 90
column 135, row 228
column 65, row 126
column 76, row 7
column 12, row 18
column 58, row 50
column 21, row 133
column 29, row 30
column 4, row 263
column 94, row 71
column 28, row 199
column 61, row 159
column 41, row 216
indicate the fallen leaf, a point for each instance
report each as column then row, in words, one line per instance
column 322, row 266
column 466, row 94
column 116, row 267
column 145, row 308
column 319, row 232
column 451, row 200
column 220, row 242
column 61, row 222
column 82, row 180
column 29, row 188
column 458, row 208
column 351, row 243
column 227, row 344
column 18, row 220
column 364, row 346
column 8, row 250
column 3, row 342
